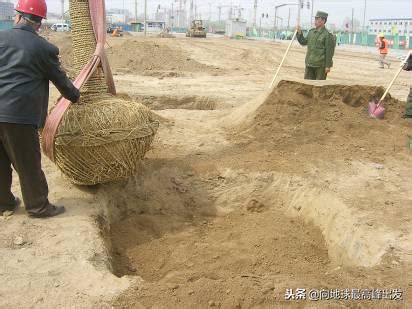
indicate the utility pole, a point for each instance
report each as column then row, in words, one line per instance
column 135, row 10
column 179, row 23
column 254, row 14
column 289, row 20
column 145, row 17
column 275, row 28
column 62, row 9
column 185, row 10
column 191, row 12
column 173, row 16
column 311, row 14
column 124, row 13
column 230, row 11
column 353, row 13
column 276, row 15
column 364, row 22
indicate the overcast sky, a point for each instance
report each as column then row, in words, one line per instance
column 338, row 9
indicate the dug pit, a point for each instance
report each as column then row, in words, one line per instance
column 257, row 212
column 241, row 223
column 231, row 238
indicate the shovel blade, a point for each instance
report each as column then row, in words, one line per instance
column 376, row 110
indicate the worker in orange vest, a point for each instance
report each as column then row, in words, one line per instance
column 116, row 32
column 383, row 46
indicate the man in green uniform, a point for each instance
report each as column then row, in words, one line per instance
column 321, row 47
column 408, row 107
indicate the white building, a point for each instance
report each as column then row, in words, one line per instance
column 236, row 27
column 390, row 26
column 155, row 26
column 6, row 10
column 118, row 16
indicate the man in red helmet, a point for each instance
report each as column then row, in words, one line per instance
column 27, row 64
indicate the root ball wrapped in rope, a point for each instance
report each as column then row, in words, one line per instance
column 102, row 138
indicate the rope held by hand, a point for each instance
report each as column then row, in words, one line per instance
column 99, row 59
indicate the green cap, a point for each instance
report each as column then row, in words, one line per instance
column 321, row 14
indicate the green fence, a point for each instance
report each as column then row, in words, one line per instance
column 396, row 41
column 268, row 34
column 179, row 30
column 342, row 38
column 6, row 24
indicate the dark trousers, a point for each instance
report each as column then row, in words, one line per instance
column 20, row 148
column 315, row 73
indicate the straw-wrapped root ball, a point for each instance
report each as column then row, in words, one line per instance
column 103, row 141
column 103, row 138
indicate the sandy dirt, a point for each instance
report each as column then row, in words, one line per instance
column 247, row 192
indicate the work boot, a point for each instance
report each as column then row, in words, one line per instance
column 12, row 207
column 51, row 211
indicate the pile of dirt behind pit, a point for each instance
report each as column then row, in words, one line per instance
column 153, row 58
column 174, row 102
column 63, row 41
column 327, row 120
column 150, row 58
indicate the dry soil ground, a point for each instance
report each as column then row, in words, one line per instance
column 246, row 193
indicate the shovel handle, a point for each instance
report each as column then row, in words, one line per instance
column 394, row 78
column 283, row 59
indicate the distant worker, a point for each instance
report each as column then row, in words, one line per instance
column 321, row 48
column 27, row 64
column 383, row 46
column 408, row 107
column 116, row 32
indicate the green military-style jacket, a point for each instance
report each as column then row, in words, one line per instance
column 320, row 47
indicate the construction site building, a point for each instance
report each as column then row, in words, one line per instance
column 236, row 27
column 391, row 26
column 152, row 26
column 6, row 15
column 6, row 10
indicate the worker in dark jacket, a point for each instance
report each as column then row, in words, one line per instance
column 321, row 47
column 408, row 107
column 27, row 64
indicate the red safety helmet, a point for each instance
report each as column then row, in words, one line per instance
column 33, row 7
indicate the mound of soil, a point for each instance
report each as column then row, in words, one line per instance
column 63, row 41
column 175, row 102
column 166, row 35
column 141, row 57
column 327, row 121
column 151, row 56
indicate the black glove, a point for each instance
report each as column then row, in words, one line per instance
column 408, row 64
